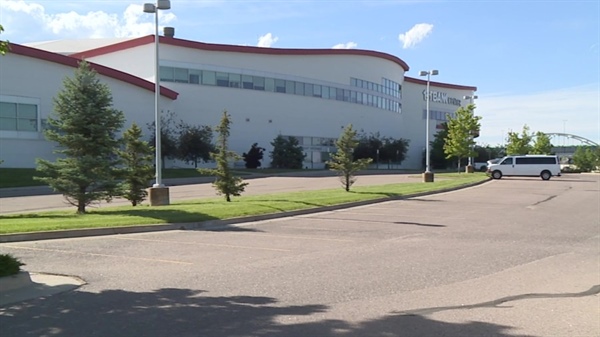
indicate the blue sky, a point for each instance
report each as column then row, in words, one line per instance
column 533, row 62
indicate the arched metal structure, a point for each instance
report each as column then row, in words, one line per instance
column 567, row 135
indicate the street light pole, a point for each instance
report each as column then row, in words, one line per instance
column 427, row 175
column 159, row 194
column 470, row 165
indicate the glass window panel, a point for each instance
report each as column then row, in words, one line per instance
column 270, row 84
column 222, row 79
column 8, row 124
column 209, row 77
column 259, row 82
column 280, row 85
column 353, row 82
column 353, row 96
column 8, row 110
column 325, row 92
column 195, row 76
column 346, row 95
column 299, row 88
column 290, row 87
column 317, row 90
column 247, row 82
column 339, row 94
column 28, row 111
column 308, row 89
column 26, row 124
column 180, row 75
column 166, row 74
column 359, row 98
column 235, row 80
column 332, row 93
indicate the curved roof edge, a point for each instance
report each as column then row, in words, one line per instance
column 103, row 70
column 439, row 84
column 235, row 49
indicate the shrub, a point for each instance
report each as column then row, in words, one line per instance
column 9, row 265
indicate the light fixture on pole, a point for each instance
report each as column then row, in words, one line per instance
column 427, row 175
column 159, row 194
column 470, row 165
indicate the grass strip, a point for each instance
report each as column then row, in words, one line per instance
column 217, row 208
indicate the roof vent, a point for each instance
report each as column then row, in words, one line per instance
column 169, row 31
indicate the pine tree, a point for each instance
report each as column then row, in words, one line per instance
column 461, row 129
column 287, row 153
column 342, row 161
column 84, row 126
column 137, row 159
column 253, row 157
column 226, row 183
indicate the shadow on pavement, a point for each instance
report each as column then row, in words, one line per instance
column 185, row 312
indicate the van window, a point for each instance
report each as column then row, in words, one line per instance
column 507, row 161
column 535, row 160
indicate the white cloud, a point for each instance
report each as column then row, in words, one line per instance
column 347, row 45
column 543, row 111
column 415, row 35
column 99, row 24
column 267, row 40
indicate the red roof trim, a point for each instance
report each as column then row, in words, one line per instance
column 103, row 70
column 439, row 84
column 235, row 49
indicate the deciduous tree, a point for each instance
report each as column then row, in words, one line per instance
column 461, row 129
column 195, row 143
column 519, row 144
column 4, row 46
column 342, row 161
column 542, row 144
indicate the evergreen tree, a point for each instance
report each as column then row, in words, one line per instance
column 461, row 129
column 226, row 183
column 542, row 144
column 519, row 144
column 195, row 143
column 342, row 161
column 287, row 153
column 84, row 126
column 254, row 156
column 137, row 159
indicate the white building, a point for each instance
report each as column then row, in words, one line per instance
column 311, row 94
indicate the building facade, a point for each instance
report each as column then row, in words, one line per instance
column 310, row 94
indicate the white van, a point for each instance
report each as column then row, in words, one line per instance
column 530, row 165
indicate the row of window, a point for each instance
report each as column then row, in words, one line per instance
column 232, row 80
column 388, row 87
column 18, row 116
column 438, row 115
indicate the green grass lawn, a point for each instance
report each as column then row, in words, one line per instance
column 217, row 208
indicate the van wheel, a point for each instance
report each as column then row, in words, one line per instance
column 483, row 169
column 496, row 174
column 545, row 175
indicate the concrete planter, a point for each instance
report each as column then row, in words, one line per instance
column 12, row 282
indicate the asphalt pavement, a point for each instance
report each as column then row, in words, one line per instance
column 514, row 257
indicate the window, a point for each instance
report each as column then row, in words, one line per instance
column 247, row 82
column 195, row 76
column 535, row 160
column 259, row 82
column 269, row 84
column 222, row 79
column 325, row 92
column 235, row 80
column 308, row 89
column 166, row 74
column 507, row 161
column 290, row 87
column 18, row 117
column 280, row 86
column 317, row 90
column 180, row 75
column 209, row 77
column 299, row 88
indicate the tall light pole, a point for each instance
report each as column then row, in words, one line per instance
column 427, row 175
column 470, row 165
column 159, row 194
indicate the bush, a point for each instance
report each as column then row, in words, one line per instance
column 9, row 265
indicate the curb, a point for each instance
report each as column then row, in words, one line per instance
column 209, row 224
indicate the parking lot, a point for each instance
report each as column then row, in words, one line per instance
column 513, row 257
